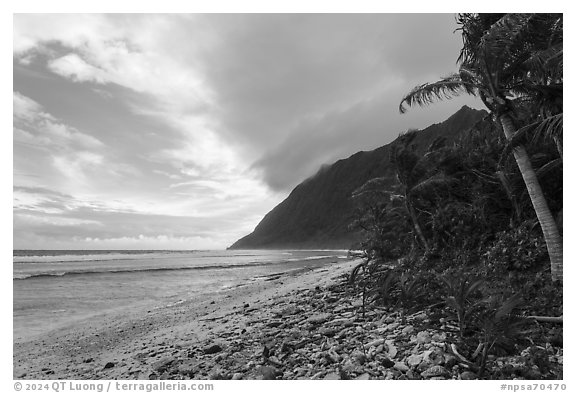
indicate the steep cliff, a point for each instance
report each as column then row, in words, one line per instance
column 318, row 212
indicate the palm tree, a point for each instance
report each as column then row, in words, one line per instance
column 509, row 61
column 422, row 178
column 408, row 175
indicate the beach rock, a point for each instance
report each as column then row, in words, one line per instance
column 109, row 365
column 188, row 368
column 286, row 347
column 267, row 372
column 88, row 360
column 468, row 376
column 162, row 365
column 346, row 322
column 423, row 338
column 300, row 371
column 436, row 356
column 211, row 349
column 387, row 363
column 424, row 365
column 407, row 330
column 375, row 343
column 450, row 360
column 435, row 371
column 319, row 318
column 237, row 376
column 363, row 377
column 332, row 376
column 391, row 349
column 333, row 356
column 439, row 337
column 414, row 360
column 286, row 311
column 401, row 366
column 390, row 319
column 216, row 374
column 328, row 332
column 359, row 357
column 273, row 360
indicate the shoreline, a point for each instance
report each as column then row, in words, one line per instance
column 83, row 350
column 305, row 326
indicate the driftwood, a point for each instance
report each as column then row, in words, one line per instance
column 455, row 352
column 537, row 318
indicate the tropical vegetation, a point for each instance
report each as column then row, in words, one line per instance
column 471, row 229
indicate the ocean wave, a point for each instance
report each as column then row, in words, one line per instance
column 120, row 256
column 25, row 276
column 310, row 258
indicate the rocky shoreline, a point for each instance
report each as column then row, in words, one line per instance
column 315, row 332
column 319, row 334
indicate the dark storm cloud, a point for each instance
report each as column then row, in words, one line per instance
column 337, row 135
column 304, row 90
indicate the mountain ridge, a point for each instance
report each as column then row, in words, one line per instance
column 319, row 210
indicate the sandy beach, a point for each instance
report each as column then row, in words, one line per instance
column 134, row 341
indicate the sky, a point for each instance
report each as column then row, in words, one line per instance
column 181, row 131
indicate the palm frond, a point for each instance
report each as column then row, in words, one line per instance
column 545, row 169
column 376, row 185
column 437, row 182
column 546, row 61
column 446, row 88
column 507, row 307
column 468, row 74
column 502, row 36
column 550, row 127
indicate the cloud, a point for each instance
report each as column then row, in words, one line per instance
column 158, row 242
column 40, row 199
column 296, row 98
column 26, row 109
column 74, row 67
column 338, row 134
column 49, row 219
column 77, row 29
column 188, row 124
column 134, row 51
column 140, row 53
column 39, row 221
column 35, row 126
column 236, row 87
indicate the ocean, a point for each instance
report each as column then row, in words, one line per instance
column 54, row 289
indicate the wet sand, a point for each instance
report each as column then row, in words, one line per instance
column 127, row 345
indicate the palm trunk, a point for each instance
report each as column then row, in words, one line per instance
column 506, row 185
column 545, row 217
column 417, row 229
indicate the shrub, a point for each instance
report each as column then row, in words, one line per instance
column 461, row 296
column 517, row 249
